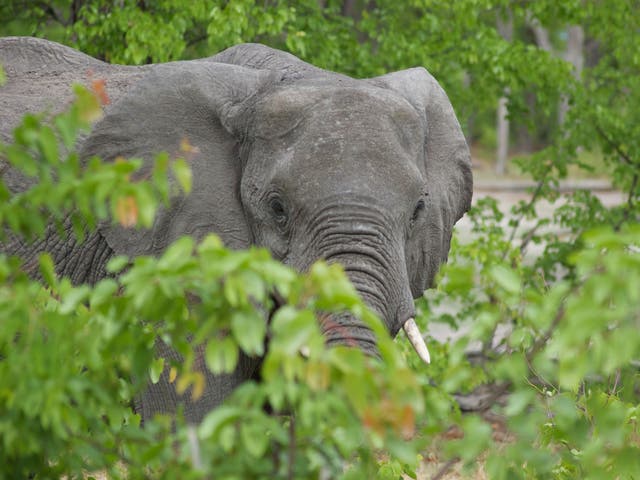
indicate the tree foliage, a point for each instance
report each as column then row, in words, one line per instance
column 72, row 358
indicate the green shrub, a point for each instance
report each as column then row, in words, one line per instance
column 564, row 376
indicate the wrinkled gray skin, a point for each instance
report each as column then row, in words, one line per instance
column 308, row 163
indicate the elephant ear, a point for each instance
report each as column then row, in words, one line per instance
column 447, row 161
column 201, row 103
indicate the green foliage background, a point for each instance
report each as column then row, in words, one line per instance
column 73, row 357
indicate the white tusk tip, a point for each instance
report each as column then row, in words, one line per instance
column 415, row 337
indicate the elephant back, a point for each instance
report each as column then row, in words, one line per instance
column 40, row 75
column 23, row 55
column 290, row 67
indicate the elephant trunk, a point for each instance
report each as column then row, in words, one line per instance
column 374, row 261
column 344, row 329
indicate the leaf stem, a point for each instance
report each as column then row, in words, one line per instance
column 292, row 447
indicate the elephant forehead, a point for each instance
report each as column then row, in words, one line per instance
column 338, row 111
column 337, row 164
column 317, row 166
column 319, row 142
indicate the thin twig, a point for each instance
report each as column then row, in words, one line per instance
column 615, row 383
column 53, row 13
column 445, row 468
column 542, row 341
column 191, row 42
column 615, row 146
column 488, row 343
column 630, row 203
column 292, row 447
column 539, row 378
column 534, row 198
column 629, row 161
column 528, row 237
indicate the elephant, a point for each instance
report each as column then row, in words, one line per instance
column 311, row 164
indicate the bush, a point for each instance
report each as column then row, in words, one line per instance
column 74, row 357
column 563, row 376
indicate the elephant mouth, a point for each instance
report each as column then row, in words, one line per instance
column 338, row 329
column 346, row 330
column 343, row 329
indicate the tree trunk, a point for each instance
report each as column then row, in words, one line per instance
column 349, row 9
column 573, row 53
column 542, row 36
column 472, row 115
column 505, row 27
column 502, row 135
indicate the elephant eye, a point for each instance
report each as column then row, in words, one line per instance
column 416, row 212
column 278, row 210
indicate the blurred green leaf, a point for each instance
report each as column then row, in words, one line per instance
column 249, row 330
column 182, row 171
column 47, row 270
column 221, row 355
column 155, row 370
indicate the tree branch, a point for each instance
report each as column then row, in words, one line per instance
column 534, row 199
column 53, row 13
column 445, row 468
column 615, row 146
column 542, row 341
column 192, row 41
column 634, row 182
column 630, row 203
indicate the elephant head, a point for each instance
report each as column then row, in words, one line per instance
column 310, row 164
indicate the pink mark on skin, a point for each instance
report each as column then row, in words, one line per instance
column 329, row 324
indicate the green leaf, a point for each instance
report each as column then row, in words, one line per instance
column 507, row 278
column 87, row 105
column 22, row 160
column 182, row 171
column 117, row 264
column 68, row 127
column 103, row 291
column 221, row 355
column 155, row 369
column 403, row 450
column 477, row 437
column 255, row 438
column 293, row 329
column 218, row 418
column 47, row 270
column 177, row 255
column 249, row 329
column 49, row 145
column 73, row 298
column 519, row 401
column 146, row 204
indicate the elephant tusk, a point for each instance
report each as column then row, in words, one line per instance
column 415, row 337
